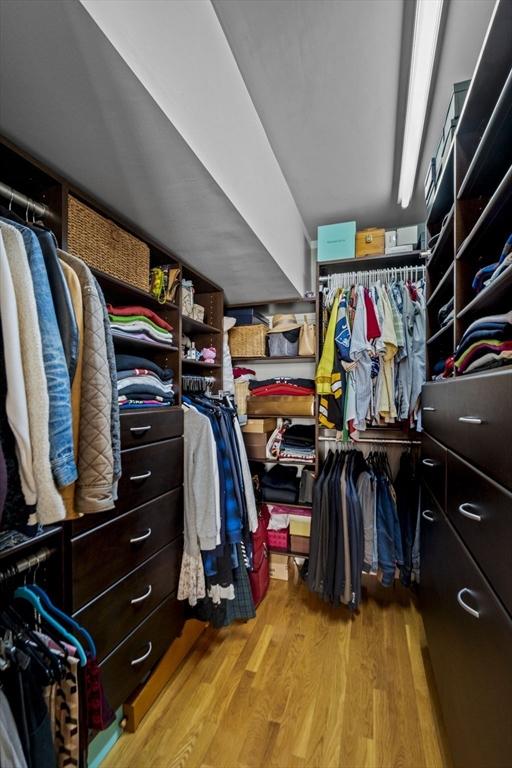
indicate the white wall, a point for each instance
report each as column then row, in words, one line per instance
column 179, row 52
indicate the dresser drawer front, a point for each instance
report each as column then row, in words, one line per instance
column 481, row 511
column 433, row 468
column 149, row 471
column 142, row 427
column 116, row 613
column 469, row 638
column 472, row 416
column 106, row 554
column 129, row 664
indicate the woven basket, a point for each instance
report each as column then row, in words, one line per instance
column 241, row 394
column 248, row 340
column 104, row 245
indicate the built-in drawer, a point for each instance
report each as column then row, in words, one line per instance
column 132, row 599
column 149, row 471
column 469, row 638
column 433, row 468
column 481, row 511
column 142, row 427
column 472, row 415
column 108, row 553
column 126, row 667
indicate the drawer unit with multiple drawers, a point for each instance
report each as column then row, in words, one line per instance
column 123, row 566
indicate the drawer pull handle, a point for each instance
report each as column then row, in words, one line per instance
column 144, row 656
column 144, row 476
column 428, row 408
column 143, row 597
column 467, row 608
column 470, row 419
column 144, row 536
column 463, row 509
column 428, row 515
column 429, row 463
column 136, row 430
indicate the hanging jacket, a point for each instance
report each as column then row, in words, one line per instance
column 326, row 364
column 95, row 457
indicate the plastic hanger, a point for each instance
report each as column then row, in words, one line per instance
column 24, row 593
column 63, row 616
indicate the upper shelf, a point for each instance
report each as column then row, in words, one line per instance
column 121, row 339
column 129, row 293
column 494, row 150
column 199, row 363
column 444, row 244
column 494, row 298
column 192, row 327
column 380, row 260
column 282, row 359
column 445, row 192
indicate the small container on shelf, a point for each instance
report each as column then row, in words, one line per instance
column 279, row 539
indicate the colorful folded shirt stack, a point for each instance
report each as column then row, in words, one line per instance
column 141, row 383
column 487, row 343
column 298, row 444
column 282, row 385
column 136, row 322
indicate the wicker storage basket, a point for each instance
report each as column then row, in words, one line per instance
column 241, row 393
column 248, row 340
column 104, row 245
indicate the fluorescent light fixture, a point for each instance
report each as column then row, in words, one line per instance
column 427, row 20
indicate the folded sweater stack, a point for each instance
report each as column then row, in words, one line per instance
column 136, row 322
column 487, row 343
column 141, row 383
column 298, row 444
column 280, row 484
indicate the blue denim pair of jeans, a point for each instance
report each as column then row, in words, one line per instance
column 389, row 540
column 57, row 375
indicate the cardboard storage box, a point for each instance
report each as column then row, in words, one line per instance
column 300, row 544
column 300, row 523
column 259, row 425
column 198, row 312
column 278, row 566
column 336, row 241
column 256, row 445
column 407, row 236
column 370, row 242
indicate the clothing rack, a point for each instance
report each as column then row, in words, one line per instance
column 27, row 563
column 379, row 441
column 39, row 209
column 370, row 276
column 197, row 384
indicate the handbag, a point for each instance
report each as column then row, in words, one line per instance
column 259, row 575
column 307, row 340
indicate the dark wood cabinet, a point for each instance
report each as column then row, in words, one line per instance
column 150, row 426
column 468, row 633
column 433, row 468
column 149, row 471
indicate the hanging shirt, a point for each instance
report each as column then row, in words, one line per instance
column 386, row 403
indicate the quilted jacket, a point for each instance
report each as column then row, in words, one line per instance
column 95, row 457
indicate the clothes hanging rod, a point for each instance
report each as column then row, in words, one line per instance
column 420, row 269
column 40, row 209
column 385, row 441
column 27, row 563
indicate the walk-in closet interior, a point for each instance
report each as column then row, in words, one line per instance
column 255, row 383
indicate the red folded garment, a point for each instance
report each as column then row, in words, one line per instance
column 237, row 372
column 140, row 311
column 282, row 389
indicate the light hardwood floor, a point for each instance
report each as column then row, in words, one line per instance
column 301, row 685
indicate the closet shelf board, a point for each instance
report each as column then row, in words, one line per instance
column 440, row 332
column 443, row 242
column 441, row 284
column 141, row 343
column 283, row 359
column 200, row 364
column 277, row 416
column 486, row 300
column 488, row 215
column 488, row 158
column 288, row 461
column 134, row 295
column 380, row 260
column 445, row 189
column 288, row 552
column 288, row 506
column 191, row 327
column 48, row 533
column 267, row 302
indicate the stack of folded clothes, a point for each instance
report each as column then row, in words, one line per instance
column 139, row 323
column 281, row 483
column 446, row 313
column 281, row 396
column 491, row 272
column 141, row 383
column 487, row 343
column 298, row 444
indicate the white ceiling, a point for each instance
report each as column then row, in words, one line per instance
column 324, row 77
